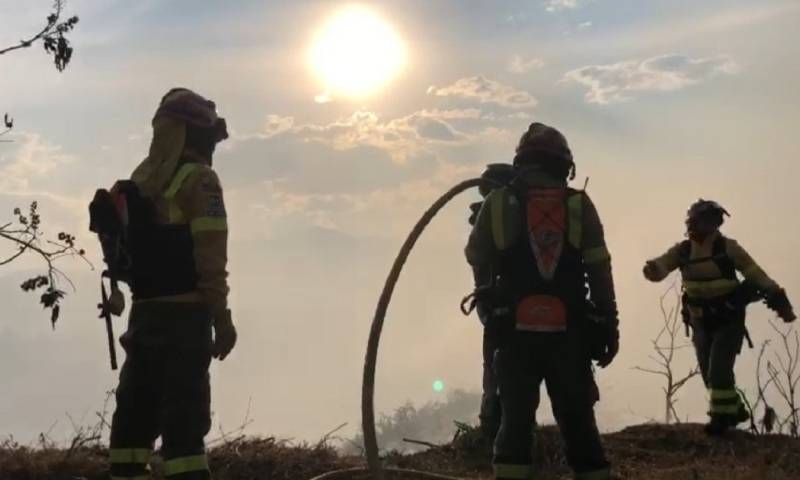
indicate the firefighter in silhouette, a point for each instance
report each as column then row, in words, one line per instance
column 714, row 304
column 552, row 303
column 498, row 175
column 177, row 246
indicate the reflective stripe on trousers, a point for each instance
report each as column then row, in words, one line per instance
column 179, row 465
column 724, row 401
column 129, row 463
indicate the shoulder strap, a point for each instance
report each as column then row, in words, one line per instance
column 684, row 253
column 721, row 258
column 575, row 216
column 180, row 177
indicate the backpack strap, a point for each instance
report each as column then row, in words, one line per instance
column 575, row 218
column 180, row 177
column 721, row 258
column 685, row 253
column 719, row 255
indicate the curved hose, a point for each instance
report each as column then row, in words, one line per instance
column 368, row 386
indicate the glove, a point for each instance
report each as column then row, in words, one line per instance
column 224, row 335
column 604, row 338
column 610, row 350
column 779, row 303
column 651, row 271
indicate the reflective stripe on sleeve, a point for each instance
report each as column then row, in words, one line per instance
column 596, row 255
column 209, row 224
column 194, row 463
column 130, row 455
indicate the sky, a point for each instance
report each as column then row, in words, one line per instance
column 662, row 102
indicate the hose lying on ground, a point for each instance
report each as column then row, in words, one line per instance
column 396, row 473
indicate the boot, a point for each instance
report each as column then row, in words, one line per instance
column 718, row 425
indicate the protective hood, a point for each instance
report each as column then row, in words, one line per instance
column 178, row 108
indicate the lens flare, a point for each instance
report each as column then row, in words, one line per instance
column 438, row 386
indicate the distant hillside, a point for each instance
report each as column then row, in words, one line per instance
column 644, row 452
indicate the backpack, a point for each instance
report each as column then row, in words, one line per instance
column 112, row 214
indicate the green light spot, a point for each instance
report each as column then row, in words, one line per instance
column 438, row 386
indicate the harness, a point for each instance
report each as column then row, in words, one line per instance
column 539, row 274
column 727, row 305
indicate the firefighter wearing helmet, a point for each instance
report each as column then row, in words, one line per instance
column 714, row 304
column 543, row 244
column 179, row 319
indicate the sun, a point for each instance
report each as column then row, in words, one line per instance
column 356, row 53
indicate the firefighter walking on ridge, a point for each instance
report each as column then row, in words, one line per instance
column 177, row 247
column 543, row 242
column 715, row 303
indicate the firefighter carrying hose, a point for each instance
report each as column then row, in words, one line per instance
column 714, row 304
column 176, row 245
column 543, row 242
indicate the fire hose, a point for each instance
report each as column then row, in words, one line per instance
column 374, row 468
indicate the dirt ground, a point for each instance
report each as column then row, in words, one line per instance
column 643, row 452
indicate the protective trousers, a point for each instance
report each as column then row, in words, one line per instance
column 490, row 401
column 523, row 362
column 163, row 390
column 717, row 341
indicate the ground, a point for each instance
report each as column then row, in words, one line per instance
column 643, row 452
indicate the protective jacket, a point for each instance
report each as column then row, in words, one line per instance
column 709, row 272
column 184, row 258
column 543, row 243
column 514, row 245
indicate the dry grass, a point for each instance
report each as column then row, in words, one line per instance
column 644, row 452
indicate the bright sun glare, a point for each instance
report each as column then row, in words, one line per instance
column 356, row 52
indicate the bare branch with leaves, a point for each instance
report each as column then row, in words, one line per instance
column 666, row 345
column 52, row 36
column 26, row 237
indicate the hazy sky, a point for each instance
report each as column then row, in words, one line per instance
column 662, row 101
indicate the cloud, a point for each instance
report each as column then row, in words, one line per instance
column 619, row 82
column 32, row 158
column 585, row 25
column 401, row 137
column 559, row 5
column 485, row 90
column 275, row 125
column 519, row 64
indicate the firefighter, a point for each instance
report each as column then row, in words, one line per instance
column 714, row 302
column 543, row 242
column 498, row 175
column 179, row 319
